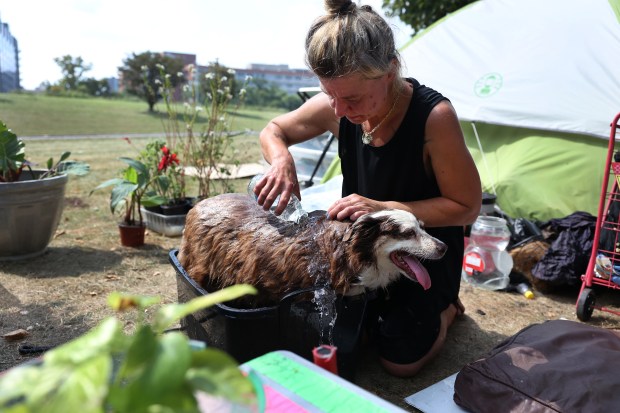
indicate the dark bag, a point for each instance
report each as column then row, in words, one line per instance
column 556, row 366
column 568, row 255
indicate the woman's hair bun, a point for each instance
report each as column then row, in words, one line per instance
column 339, row 6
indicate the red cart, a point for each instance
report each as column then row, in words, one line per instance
column 604, row 265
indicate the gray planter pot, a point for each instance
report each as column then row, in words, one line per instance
column 30, row 211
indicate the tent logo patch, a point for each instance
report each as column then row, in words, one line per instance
column 488, row 85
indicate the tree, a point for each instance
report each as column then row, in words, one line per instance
column 419, row 14
column 263, row 93
column 95, row 87
column 142, row 75
column 72, row 71
column 218, row 71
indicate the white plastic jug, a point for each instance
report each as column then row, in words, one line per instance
column 486, row 263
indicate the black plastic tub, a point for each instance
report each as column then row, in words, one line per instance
column 295, row 324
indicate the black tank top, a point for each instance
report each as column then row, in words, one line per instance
column 395, row 172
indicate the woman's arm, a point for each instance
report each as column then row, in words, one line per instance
column 313, row 118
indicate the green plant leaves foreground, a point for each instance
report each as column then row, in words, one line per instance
column 108, row 371
column 12, row 153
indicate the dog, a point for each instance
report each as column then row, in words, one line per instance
column 229, row 239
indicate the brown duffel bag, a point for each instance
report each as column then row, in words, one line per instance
column 555, row 366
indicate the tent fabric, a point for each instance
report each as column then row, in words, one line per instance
column 539, row 175
column 540, row 81
column 542, row 64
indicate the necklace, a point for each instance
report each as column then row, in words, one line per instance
column 367, row 136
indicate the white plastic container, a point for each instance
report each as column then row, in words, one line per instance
column 293, row 212
column 168, row 225
column 486, row 263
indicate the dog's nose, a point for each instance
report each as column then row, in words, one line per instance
column 441, row 248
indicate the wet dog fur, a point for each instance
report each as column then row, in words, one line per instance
column 229, row 239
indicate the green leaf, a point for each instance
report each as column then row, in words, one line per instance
column 153, row 200
column 163, row 378
column 215, row 372
column 64, row 156
column 140, row 168
column 72, row 377
column 131, row 175
column 103, row 338
column 120, row 193
column 163, row 181
column 109, row 182
column 83, row 389
column 74, row 168
column 142, row 349
column 12, row 152
column 172, row 313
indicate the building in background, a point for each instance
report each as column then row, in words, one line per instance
column 9, row 60
column 289, row 80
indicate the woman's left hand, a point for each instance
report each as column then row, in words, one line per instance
column 353, row 207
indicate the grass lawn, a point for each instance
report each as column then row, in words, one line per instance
column 33, row 115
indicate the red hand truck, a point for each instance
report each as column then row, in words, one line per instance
column 604, row 265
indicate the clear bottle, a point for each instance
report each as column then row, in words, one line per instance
column 523, row 288
column 293, row 212
column 486, row 263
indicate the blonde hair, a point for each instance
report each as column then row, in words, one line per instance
column 351, row 39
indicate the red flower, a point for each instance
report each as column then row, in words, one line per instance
column 162, row 164
column 167, row 159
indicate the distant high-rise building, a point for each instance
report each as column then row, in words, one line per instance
column 9, row 60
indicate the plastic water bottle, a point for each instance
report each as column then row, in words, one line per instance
column 293, row 212
column 523, row 288
column 486, row 263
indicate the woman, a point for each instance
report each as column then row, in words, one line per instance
column 400, row 146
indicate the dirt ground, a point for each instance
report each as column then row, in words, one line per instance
column 62, row 294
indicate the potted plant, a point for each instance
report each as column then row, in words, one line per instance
column 200, row 127
column 168, row 218
column 155, row 369
column 129, row 194
column 31, row 198
column 170, row 183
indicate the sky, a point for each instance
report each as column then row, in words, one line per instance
column 105, row 32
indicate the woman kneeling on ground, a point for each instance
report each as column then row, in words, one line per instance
column 400, row 146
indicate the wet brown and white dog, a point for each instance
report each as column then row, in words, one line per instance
column 229, row 239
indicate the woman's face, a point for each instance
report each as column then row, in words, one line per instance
column 356, row 98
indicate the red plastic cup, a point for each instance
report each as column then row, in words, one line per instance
column 325, row 356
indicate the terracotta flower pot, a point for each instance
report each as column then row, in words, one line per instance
column 131, row 235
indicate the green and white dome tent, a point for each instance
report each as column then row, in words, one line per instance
column 536, row 84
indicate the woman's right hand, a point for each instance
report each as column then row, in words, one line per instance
column 313, row 118
column 280, row 179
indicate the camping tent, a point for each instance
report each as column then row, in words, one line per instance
column 536, row 84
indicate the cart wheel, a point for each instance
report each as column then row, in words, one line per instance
column 585, row 304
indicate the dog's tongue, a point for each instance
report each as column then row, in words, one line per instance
column 418, row 271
